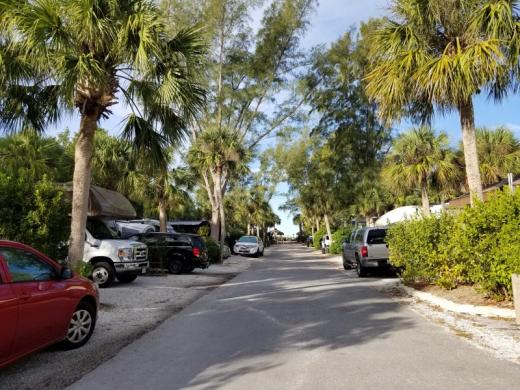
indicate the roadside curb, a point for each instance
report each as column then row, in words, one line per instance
column 484, row 311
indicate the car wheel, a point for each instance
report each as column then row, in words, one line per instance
column 346, row 267
column 81, row 326
column 262, row 253
column 126, row 278
column 175, row 266
column 257, row 254
column 361, row 271
column 103, row 274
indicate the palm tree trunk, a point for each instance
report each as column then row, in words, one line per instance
column 327, row 226
column 163, row 215
column 317, row 224
column 469, row 140
column 214, row 223
column 425, row 199
column 258, row 231
column 220, row 205
column 249, row 228
column 81, row 187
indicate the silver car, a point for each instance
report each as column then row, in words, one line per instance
column 366, row 250
column 249, row 245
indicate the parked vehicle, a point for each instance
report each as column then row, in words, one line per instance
column 41, row 303
column 110, row 256
column 249, row 245
column 366, row 250
column 178, row 253
column 127, row 229
column 154, row 223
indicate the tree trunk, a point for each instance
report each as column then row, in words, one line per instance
column 425, row 199
column 312, row 231
column 249, row 228
column 317, row 224
column 81, row 187
column 368, row 220
column 327, row 226
column 163, row 215
column 469, row 140
column 214, row 223
column 258, row 231
column 220, row 205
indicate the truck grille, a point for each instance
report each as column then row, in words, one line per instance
column 141, row 253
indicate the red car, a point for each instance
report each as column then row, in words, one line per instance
column 41, row 303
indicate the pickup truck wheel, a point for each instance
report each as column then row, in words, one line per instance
column 126, row 278
column 175, row 266
column 81, row 326
column 361, row 271
column 103, row 274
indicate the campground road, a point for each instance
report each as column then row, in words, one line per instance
column 294, row 321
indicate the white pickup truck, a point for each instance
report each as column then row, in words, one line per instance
column 112, row 257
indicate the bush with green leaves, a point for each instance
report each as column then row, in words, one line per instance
column 480, row 246
column 317, row 238
column 33, row 212
column 213, row 249
column 338, row 237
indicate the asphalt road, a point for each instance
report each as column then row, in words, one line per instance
column 294, row 321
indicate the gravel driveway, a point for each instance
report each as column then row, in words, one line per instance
column 127, row 312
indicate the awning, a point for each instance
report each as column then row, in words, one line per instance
column 106, row 203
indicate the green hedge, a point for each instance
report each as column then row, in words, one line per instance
column 480, row 246
column 337, row 239
column 317, row 237
column 213, row 249
column 34, row 212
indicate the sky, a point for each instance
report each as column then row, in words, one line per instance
column 330, row 20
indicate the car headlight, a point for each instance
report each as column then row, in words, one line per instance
column 125, row 254
column 252, row 250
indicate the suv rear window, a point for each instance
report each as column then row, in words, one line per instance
column 198, row 242
column 376, row 236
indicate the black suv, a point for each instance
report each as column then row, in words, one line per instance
column 176, row 252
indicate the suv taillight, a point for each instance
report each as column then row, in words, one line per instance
column 364, row 251
column 196, row 252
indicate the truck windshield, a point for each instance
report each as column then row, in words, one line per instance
column 99, row 230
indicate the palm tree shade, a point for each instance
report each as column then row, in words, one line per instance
column 440, row 54
column 418, row 157
column 87, row 54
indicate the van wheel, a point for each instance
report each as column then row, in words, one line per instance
column 126, row 278
column 175, row 266
column 361, row 271
column 103, row 274
column 81, row 326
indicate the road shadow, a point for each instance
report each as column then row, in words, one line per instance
column 287, row 305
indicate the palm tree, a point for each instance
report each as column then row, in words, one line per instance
column 499, row 154
column 418, row 157
column 439, row 54
column 88, row 55
column 217, row 153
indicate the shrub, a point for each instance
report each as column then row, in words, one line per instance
column 34, row 212
column 213, row 249
column 337, row 239
column 317, row 237
column 479, row 246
